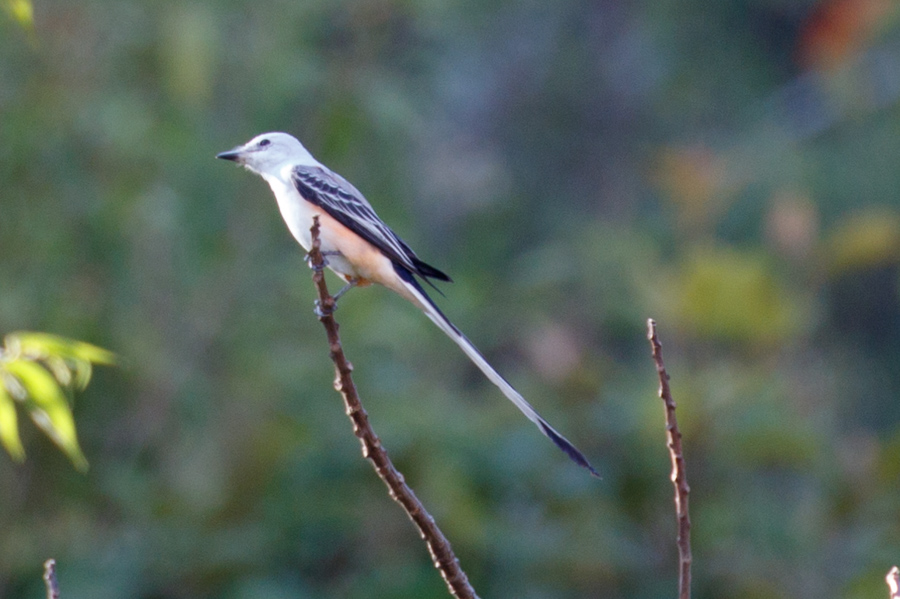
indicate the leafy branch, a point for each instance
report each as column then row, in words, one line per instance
column 38, row 373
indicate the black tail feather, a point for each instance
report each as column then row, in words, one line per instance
column 427, row 271
column 567, row 447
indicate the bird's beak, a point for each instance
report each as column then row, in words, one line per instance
column 234, row 154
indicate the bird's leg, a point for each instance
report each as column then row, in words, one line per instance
column 350, row 285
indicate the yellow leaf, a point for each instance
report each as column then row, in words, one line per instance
column 48, row 407
column 65, row 357
column 21, row 11
column 44, row 344
column 91, row 353
column 9, row 426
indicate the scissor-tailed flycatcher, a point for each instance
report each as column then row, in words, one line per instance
column 359, row 246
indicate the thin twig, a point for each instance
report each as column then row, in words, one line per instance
column 893, row 581
column 679, row 476
column 50, row 579
column 441, row 554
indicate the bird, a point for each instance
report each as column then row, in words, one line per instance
column 361, row 248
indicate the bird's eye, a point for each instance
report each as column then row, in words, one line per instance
column 264, row 143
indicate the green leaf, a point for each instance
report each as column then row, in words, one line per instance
column 70, row 361
column 9, row 426
column 48, row 407
column 38, row 369
column 44, row 344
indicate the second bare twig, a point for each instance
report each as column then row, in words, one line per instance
column 893, row 581
column 679, row 476
column 438, row 546
column 50, row 579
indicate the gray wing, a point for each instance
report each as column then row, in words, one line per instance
column 343, row 202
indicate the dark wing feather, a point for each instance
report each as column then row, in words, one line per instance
column 343, row 202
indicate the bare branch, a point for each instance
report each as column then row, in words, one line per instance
column 50, row 579
column 679, row 476
column 893, row 581
column 441, row 553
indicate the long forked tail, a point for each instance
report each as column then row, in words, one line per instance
column 437, row 317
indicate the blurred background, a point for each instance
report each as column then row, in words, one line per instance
column 727, row 168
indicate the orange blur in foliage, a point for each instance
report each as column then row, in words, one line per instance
column 840, row 29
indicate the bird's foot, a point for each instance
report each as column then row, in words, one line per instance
column 321, row 311
column 325, row 255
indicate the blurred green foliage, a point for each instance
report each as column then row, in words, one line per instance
column 36, row 370
column 21, row 11
column 727, row 168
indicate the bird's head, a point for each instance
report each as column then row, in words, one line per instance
column 268, row 153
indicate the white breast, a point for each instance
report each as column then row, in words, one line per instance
column 296, row 212
column 298, row 216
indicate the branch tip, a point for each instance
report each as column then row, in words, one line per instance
column 679, row 474
column 50, row 579
column 893, row 582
